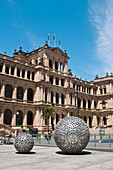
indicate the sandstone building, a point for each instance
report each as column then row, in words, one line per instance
column 29, row 81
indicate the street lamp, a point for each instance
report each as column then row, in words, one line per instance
column 17, row 113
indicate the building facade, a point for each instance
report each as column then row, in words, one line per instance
column 30, row 81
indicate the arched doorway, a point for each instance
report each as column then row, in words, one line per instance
column 30, row 94
column 29, row 118
column 8, row 91
column 19, row 118
column 7, row 117
column 57, row 118
column 105, row 120
column 85, row 119
column 20, row 93
column 90, row 121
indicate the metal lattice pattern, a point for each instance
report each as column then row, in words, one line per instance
column 71, row 134
column 24, row 143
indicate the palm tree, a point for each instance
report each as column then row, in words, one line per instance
column 47, row 113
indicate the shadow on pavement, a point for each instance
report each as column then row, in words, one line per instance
column 81, row 153
column 28, row 153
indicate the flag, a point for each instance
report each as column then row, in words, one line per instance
column 54, row 37
column 59, row 42
column 48, row 36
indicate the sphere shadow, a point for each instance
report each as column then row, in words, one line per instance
column 25, row 153
column 80, row 153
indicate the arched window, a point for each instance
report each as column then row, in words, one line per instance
column 8, row 91
column 52, row 94
column 56, row 65
column 36, row 61
column 85, row 119
column 19, row 118
column 62, row 98
column 90, row 121
column 57, row 118
column 20, row 93
column 29, row 118
column 89, row 104
column 46, row 94
column 79, row 102
column 57, row 98
column 95, row 104
column 7, row 117
column 84, row 104
column 61, row 67
column 30, row 94
column 50, row 63
column 105, row 120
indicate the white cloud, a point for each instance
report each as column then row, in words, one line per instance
column 31, row 38
column 101, row 17
column 10, row 1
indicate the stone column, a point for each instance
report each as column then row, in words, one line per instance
column 25, row 120
column 25, row 94
column 14, row 92
column 3, row 69
column 53, row 65
column 54, row 98
column 15, row 71
column 73, row 99
column 60, row 99
column 92, row 104
column 67, row 98
column 66, row 67
column 14, row 120
column 86, row 104
column 10, row 70
column 81, row 104
column 41, row 91
column 88, row 121
column 3, row 89
column 59, row 66
column 25, row 74
column 94, row 121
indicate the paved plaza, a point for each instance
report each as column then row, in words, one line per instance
column 51, row 158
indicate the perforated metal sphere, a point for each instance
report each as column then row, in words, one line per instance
column 71, row 134
column 23, row 143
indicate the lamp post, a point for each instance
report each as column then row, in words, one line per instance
column 17, row 113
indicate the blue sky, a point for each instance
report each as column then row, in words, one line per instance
column 85, row 28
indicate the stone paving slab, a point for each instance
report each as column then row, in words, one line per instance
column 51, row 158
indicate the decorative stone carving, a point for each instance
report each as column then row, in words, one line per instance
column 23, row 143
column 71, row 134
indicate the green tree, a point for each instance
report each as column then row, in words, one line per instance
column 47, row 113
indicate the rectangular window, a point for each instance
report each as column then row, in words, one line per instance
column 51, row 79
column 18, row 72
column 74, row 85
column 33, row 75
column 23, row 73
column 57, row 81
column 7, row 70
column 28, row 74
column 105, row 90
column 100, row 91
column 12, row 71
column 62, row 82
column 1, row 68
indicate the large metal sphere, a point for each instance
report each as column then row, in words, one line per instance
column 71, row 134
column 23, row 143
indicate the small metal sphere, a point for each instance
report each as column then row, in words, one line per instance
column 23, row 143
column 71, row 134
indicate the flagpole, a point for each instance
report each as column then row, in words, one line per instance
column 49, row 39
column 60, row 44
